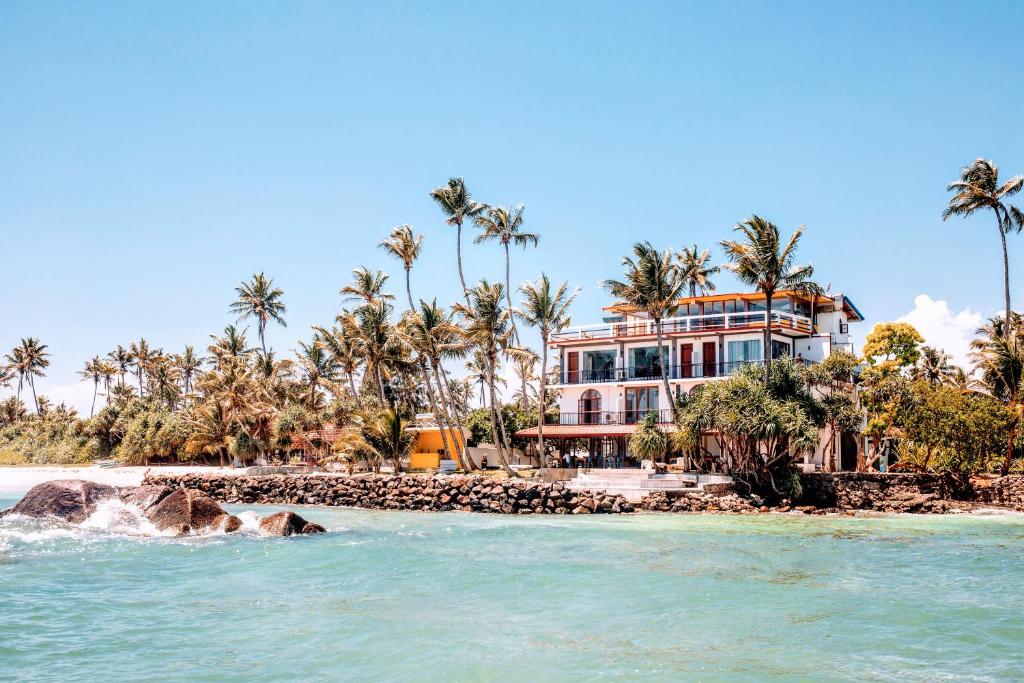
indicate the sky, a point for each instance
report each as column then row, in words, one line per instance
column 154, row 155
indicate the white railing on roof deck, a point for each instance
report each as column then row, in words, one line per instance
column 690, row 323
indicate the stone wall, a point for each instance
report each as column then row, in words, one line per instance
column 470, row 493
column 920, row 493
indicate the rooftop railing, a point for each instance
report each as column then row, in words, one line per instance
column 653, row 374
column 712, row 322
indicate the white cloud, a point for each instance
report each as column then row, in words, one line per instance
column 944, row 329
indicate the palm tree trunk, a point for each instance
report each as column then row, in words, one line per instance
column 1006, row 279
column 664, row 370
column 433, row 406
column 408, row 290
column 541, row 398
column 767, row 350
column 1005, row 470
column 496, row 422
column 524, row 401
column 446, row 400
column 95, row 390
column 263, row 343
column 355, row 394
column 458, row 255
column 35, row 399
column 380, row 384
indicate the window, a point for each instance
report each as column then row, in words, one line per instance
column 785, row 305
column 780, row 349
column 732, row 306
column 712, row 307
column 644, row 362
column 640, row 401
column 598, row 366
column 757, row 305
column 693, row 309
column 744, row 351
column 802, row 308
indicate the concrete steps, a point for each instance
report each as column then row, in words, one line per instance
column 635, row 484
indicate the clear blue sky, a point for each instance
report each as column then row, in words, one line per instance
column 152, row 155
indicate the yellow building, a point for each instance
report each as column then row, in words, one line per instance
column 428, row 451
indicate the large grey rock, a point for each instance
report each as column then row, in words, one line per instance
column 287, row 524
column 145, row 497
column 72, row 500
column 186, row 511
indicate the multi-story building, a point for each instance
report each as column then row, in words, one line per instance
column 610, row 373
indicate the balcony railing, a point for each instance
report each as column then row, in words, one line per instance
column 605, row 417
column 692, row 323
column 649, row 374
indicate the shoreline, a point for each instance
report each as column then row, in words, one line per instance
column 20, row 478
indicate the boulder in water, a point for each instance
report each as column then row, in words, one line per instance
column 145, row 497
column 231, row 524
column 187, row 510
column 72, row 500
column 287, row 524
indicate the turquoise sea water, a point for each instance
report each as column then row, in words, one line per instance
column 462, row 597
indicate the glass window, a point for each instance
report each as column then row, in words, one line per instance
column 780, row 349
column 693, row 309
column 757, row 305
column 644, row 361
column 598, row 365
column 802, row 308
column 784, row 305
column 732, row 306
column 742, row 351
column 712, row 307
column 640, row 401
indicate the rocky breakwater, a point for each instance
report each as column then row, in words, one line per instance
column 439, row 493
column 697, row 501
column 172, row 511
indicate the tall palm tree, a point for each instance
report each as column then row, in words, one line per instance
column 371, row 328
column 760, row 260
column 122, row 360
column 188, row 365
column 457, row 204
column 108, row 371
column 405, row 247
column 29, row 359
column 998, row 354
column 505, row 225
column 317, row 366
column 979, row 189
column 477, row 368
column 93, row 370
column 653, row 284
column 486, row 326
column 345, row 352
column 367, row 286
column 260, row 299
column 696, row 270
column 548, row 311
column 141, row 357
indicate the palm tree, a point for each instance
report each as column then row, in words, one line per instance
column 763, row 262
column 345, row 352
column 318, row 366
column 390, row 437
column 188, row 365
column 457, row 204
column 979, row 189
column 370, row 325
column 141, row 356
column 367, row 286
column 261, row 300
column 653, row 284
column 486, row 326
column 648, row 441
column 933, row 366
column 93, row 369
column 108, row 371
column 548, row 311
column 28, row 360
column 6, row 375
column 999, row 355
column 231, row 346
column 696, row 271
column 505, row 225
column 477, row 368
column 960, row 379
column 405, row 247
column 122, row 359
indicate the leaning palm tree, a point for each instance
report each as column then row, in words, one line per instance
column 367, row 286
column 457, row 204
column 93, row 370
column 979, row 189
column 505, row 225
column 548, row 311
column 760, row 260
column 486, row 326
column 653, row 284
column 696, row 270
column 405, row 247
column 999, row 357
column 260, row 299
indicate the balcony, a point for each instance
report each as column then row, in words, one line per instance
column 716, row 322
column 605, row 417
column 648, row 374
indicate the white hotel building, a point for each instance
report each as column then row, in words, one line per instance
column 610, row 375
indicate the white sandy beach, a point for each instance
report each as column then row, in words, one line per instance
column 21, row 479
